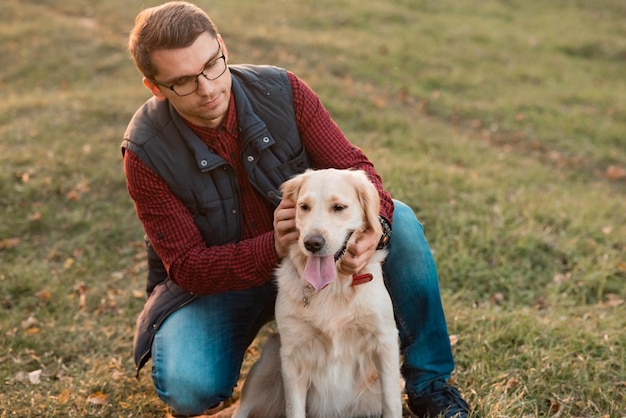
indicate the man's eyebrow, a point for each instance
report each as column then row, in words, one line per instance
column 210, row 60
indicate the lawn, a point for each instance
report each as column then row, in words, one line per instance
column 502, row 123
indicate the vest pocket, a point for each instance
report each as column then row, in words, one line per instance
column 217, row 221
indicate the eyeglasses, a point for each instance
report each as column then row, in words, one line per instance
column 213, row 70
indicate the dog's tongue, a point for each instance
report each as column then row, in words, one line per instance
column 320, row 271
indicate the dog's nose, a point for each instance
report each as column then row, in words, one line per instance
column 314, row 243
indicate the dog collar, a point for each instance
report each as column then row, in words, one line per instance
column 358, row 279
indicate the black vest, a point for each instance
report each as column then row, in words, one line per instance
column 272, row 152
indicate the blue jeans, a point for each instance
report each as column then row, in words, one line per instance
column 198, row 352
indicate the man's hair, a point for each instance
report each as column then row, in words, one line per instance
column 173, row 25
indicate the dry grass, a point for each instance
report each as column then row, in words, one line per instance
column 501, row 123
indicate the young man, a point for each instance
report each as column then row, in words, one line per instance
column 204, row 159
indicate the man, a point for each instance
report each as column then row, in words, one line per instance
column 204, row 159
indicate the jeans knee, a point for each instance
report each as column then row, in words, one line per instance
column 404, row 216
column 188, row 396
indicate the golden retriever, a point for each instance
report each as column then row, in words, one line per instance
column 337, row 351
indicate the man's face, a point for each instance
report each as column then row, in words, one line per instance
column 208, row 105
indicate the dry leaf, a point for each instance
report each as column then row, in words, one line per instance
column 8, row 243
column 561, row 278
column 34, row 377
column 613, row 300
column 511, row 384
column 44, row 295
column 81, row 288
column 615, row 173
column 68, row 263
column 454, row 339
column 98, row 398
column 29, row 322
column 35, row 216
column 64, row 396
column 73, row 195
column 117, row 375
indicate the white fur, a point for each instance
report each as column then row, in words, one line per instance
column 338, row 349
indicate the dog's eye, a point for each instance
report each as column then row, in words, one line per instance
column 338, row 208
column 304, row 207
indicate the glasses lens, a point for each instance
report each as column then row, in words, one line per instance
column 215, row 69
column 186, row 87
column 212, row 72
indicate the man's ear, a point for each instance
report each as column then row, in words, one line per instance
column 154, row 89
column 223, row 45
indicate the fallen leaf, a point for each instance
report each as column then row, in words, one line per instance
column 511, row 384
column 8, row 243
column 615, row 173
column 34, row 377
column 561, row 278
column 29, row 322
column 613, row 300
column 44, row 295
column 73, row 196
column 64, row 396
column 98, row 398
column 68, row 263
column 81, row 288
column 454, row 339
column 117, row 375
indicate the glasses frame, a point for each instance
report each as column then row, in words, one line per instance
column 201, row 73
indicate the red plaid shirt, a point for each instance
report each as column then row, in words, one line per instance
column 250, row 262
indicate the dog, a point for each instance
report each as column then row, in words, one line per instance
column 336, row 353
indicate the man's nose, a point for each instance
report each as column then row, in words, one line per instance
column 204, row 84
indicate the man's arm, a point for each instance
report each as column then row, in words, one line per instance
column 328, row 147
column 175, row 237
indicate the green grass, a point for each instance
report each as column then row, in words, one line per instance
column 502, row 123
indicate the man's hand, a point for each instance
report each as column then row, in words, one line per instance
column 285, row 232
column 360, row 248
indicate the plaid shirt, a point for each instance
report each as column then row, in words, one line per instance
column 251, row 261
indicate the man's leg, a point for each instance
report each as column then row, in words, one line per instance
column 412, row 280
column 198, row 352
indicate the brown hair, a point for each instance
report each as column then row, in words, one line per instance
column 173, row 25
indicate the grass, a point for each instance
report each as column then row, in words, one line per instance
column 501, row 123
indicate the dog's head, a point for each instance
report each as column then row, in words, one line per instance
column 331, row 204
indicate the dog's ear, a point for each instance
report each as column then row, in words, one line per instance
column 291, row 187
column 370, row 202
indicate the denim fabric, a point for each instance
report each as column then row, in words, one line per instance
column 198, row 352
column 412, row 280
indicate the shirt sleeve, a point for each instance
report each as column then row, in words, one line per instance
column 326, row 144
column 189, row 261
